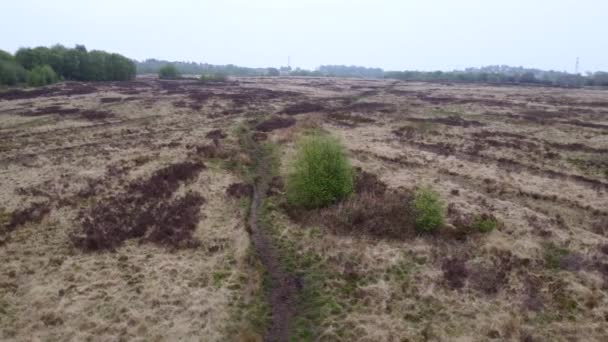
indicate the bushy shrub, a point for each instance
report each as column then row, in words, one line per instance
column 214, row 77
column 485, row 223
column 168, row 72
column 321, row 173
column 428, row 209
column 42, row 75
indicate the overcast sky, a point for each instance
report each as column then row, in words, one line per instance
column 391, row 34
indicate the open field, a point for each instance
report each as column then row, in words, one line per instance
column 77, row 156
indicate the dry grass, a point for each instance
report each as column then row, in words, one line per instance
column 530, row 158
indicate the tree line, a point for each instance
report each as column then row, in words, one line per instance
column 154, row 66
column 494, row 74
column 502, row 74
column 43, row 65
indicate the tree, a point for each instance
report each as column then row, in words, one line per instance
column 5, row 56
column 168, row 72
column 11, row 73
column 273, row 72
column 78, row 63
column 321, row 175
column 42, row 75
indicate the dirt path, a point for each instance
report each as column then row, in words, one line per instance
column 283, row 286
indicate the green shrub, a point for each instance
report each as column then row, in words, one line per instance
column 428, row 209
column 484, row 223
column 214, row 77
column 321, row 173
column 42, row 75
column 168, row 72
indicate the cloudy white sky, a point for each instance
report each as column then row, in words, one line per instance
column 391, row 34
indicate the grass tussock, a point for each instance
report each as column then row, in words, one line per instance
column 485, row 223
column 321, row 173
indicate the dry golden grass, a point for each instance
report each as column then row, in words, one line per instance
column 533, row 160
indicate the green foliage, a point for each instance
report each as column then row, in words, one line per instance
column 214, row 77
column 428, row 209
column 273, row 72
column 152, row 66
column 321, row 173
column 11, row 73
column 42, row 75
column 78, row 63
column 168, row 72
column 5, row 56
column 502, row 74
column 350, row 71
column 484, row 224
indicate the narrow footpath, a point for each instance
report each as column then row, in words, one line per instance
column 283, row 286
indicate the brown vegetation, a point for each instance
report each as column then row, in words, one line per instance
column 520, row 256
column 145, row 209
column 275, row 123
column 303, row 107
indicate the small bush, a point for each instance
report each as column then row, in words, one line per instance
column 428, row 209
column 484, row 223
column 214, row 77
column 321, row 173
column 42, row 75
column 168, row 72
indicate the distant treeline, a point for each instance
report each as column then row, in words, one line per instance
column 153, row 66
column 43, row 65
column 502, row 74
column 497, row 74
column 350, row 71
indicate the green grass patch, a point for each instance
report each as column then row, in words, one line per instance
column 324, row 293
column 250, row 310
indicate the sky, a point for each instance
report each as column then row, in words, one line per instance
column 390, row 34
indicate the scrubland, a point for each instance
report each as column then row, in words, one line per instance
column 124, row 206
